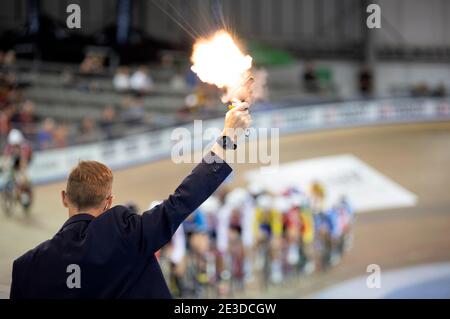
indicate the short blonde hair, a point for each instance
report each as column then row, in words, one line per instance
column 89, row 183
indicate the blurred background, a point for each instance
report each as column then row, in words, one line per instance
column 364, row 120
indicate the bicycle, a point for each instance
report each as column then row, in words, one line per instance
column 14, row 195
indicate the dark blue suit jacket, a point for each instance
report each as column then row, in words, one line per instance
column 115, row 251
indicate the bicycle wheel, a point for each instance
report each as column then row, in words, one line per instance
column 8, row 199
column 26, row 199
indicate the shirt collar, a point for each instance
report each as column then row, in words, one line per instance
column 77, row 218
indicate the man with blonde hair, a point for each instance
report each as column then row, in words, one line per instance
column 108, row 252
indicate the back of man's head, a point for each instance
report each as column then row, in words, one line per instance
column 89, row 183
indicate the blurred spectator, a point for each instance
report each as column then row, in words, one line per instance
column 4, row 128
column 310, row 80
column 67, row 78
column 191, row 102
column 8, row 89
column 88, row 132
column 60, row 136
column 26, row 119
column 86, row 65
column 365, row 79
column 178, row 82
column 167, row 60
column 106, row 123
column 141, row 81
column 9, row 58
column 93, row 63
column 167, row 67
column 420, row 89
column 440, row 90
column 133, row 110
column 45, row 136
column 121, row 81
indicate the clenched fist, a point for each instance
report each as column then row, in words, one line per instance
column 237, row 120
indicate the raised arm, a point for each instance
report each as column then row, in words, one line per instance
column 157, row 226
column 160, row 223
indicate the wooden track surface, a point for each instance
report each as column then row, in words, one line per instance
column 417, row 156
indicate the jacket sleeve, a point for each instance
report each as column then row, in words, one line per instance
column 154, row 228
column 15, row 293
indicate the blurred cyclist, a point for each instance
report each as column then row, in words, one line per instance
column 248, row 234
column 234, row 257
column 336, row 229
column 307, row 234
column 16, row 158
column 177, row 253
column 347, row 216
column 317, row 196
column 292, row 232
column 198, row 244
column 222, row 243
column 210, row 208
column 269, row 225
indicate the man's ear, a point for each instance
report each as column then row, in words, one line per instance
column 108, row 203
column 64, row 199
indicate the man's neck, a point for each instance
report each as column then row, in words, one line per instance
column 94, row 212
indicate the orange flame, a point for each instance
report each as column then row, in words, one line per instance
column 218, row 60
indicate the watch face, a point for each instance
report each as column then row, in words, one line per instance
column 227, row 143
column 230, row 144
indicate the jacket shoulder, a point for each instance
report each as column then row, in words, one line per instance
column 28, row 256
column 20, row 270
column 118, row 218
column 115, row 214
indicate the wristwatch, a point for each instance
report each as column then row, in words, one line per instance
column 226, row 143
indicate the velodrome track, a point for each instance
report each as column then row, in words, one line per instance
column 416, row 156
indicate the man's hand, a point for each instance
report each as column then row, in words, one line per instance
column 237, row 120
